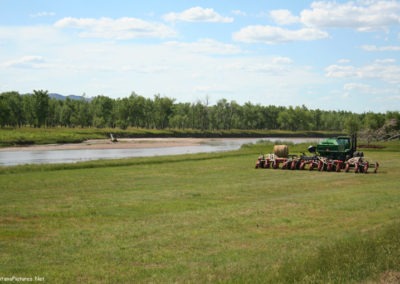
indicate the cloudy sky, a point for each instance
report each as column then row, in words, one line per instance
column 335, row 55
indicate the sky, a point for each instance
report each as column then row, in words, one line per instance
column 330, row 55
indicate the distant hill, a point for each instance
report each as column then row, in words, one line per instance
column 63, row 98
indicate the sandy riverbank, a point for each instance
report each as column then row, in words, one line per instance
column 123, row 143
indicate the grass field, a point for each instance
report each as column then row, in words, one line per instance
column 200, row 218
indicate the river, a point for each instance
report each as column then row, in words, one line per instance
column 43, row 156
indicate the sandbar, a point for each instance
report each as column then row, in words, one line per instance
column 123, row 143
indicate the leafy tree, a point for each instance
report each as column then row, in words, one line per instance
column 40, row 107
column 103, row 112
column 200, row 116
column 11, row 109
column 181, row 116
column 352, row 124
column 251, row 116
column 287, row 119
column 223, row 114
column 54, row 116
column 39, row 110
column 3, row 111
column 162, row 111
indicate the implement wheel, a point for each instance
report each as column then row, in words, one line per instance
column 320, row 166
column 356, row 168
column 366, row 167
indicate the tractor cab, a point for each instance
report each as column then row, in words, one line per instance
column 339, row 148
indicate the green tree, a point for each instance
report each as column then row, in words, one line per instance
column 40, row 107
column 181, row 116
column 200, row 118
column 53, row 118
column 163, row 109
column 11, row 109
column 103, row 112
column 352, row 124
column 222, row 115
column 287, row 119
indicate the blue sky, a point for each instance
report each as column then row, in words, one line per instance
column 334, row 55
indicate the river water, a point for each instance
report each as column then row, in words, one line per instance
column 12, row 158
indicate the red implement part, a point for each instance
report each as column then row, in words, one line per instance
column 320, row 165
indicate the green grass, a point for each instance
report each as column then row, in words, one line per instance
column 200, row 218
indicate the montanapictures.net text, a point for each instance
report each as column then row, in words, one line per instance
column 21, row 279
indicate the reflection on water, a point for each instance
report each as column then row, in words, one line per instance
column 12, row 158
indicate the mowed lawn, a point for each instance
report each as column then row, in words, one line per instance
column 201, row 218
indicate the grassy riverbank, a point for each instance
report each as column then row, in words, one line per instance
column 31, row 136
column 200, row 218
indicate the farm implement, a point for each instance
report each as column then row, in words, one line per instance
column 332, row 154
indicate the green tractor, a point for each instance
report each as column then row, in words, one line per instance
column 331, row 154
column 340, row 148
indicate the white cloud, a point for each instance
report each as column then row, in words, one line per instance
column 387, row 60
column 33, row 34
column 207, row 46
column 239, row 13
column 385, row 96
column 42, row 14
column 381, row 48
column 28, row 61
column 120, row 29
column 273, row 35
column 338, row 71
column 197, row 14
column 274, row 66
column 283, row 17
column 363, row 15
column 282, row 60
column 344, row 60
column 357, row 86
column 385, row 70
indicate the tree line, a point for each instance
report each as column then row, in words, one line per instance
column 39, row 110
